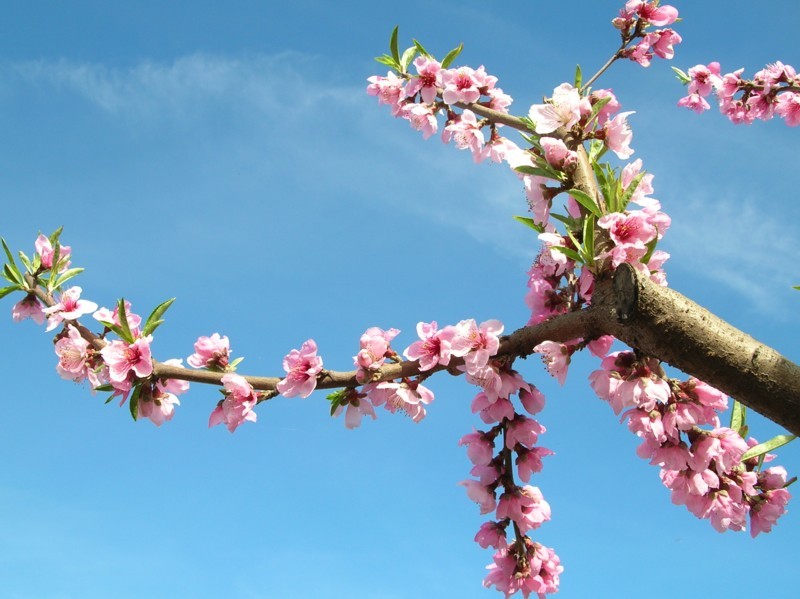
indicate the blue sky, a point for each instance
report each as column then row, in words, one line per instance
column 227, row 155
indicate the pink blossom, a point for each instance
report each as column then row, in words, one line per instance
column 610, row 107
column 421, row 117
column 538, row 573
column 630, row 231
column 662, row 42
column 69, row 307
column 112, row 316
column 28, row 307
column 123, row 358
column 532, row 400
column 480, row 447
column 237, row 407
column 563, row 110
column 409, row 397
column 529, row 461
column 694, row 102
column 599, row 347
column 787, row 107
column 770, row 506
column 47, row 252
column 466, row 133
column 476, row 344
column 427, row 82
column 557, row 154
column 460, row 85
column 480, row 495
column 302, row 367
column 525, row 506
column 210, row 352
column 72, row 351
column 498, row 100
column 652, row 12
column 357, row 407
column 492, row 411
column 434, row 345
column 645, row 187
column 556, row 358
column 523, row 431
column 157, row 402
column 704, row 78
column 375, row 348
column 498, row 148
column 538, row 202
column 491, row 534
column 618, row 135
column 389, row 90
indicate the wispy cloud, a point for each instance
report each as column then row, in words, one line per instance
column 737, row 243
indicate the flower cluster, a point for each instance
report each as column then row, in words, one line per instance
column 634, row 22
column 519, row 564
column 703, row 469
column 774, row 90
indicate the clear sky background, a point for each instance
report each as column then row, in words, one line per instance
column 226, row 154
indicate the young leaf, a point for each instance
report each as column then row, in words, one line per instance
column 682, row 77
column 336, row 399
column 6, row 290
column 597, row 107
column 596, row 150
column 588, row 238
column 569, row 253
column 407, row 57
column 28, row 265
column 651, row 247
column 767, row 446
column 124, row 325
column 538, row 172
column 54, row 237
column 67, row 275
column 13, row 275
column 796, row 287
column 585, row 200
column 631, row 189
column 422, row 50
column 235, row 363
column 393, row 44
column 8, row 253
column 134, row 403
column 452, row 55
column 572, row 224
column 738, row 416
column 154, row 320
column 116, row 329
column 578, row 77
column 388, row 61
column 529, row 222
column 102, row 388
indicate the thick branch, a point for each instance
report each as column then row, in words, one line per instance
column 666, row 325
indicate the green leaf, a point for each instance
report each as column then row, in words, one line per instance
column 796, row 287
column 588, row 238
column 571, row 223
column 393, row 48
column 738, row 417
column 631, row 189
column 452, row 55
column 768, row 446
column 108, row 401
column 55, row 235
column 13, row 275
column 422, row 50
column 597, row 107
column 585, row 200
column 134, row 402
column 8, row 253
column 407, row 57
column 682, row 77
column 124, row 325
column 116, row 329
column 235, row 363
column 651, row 247
column 569, row 253
column 28, row 265
column 10, row 289
column 67, row 275
column 578, row 76
column 529, row 222
column 103, row 388
column 154, row 320
column 336, row 399
column 596, row 150
column 539, row 172
column 388, row 61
